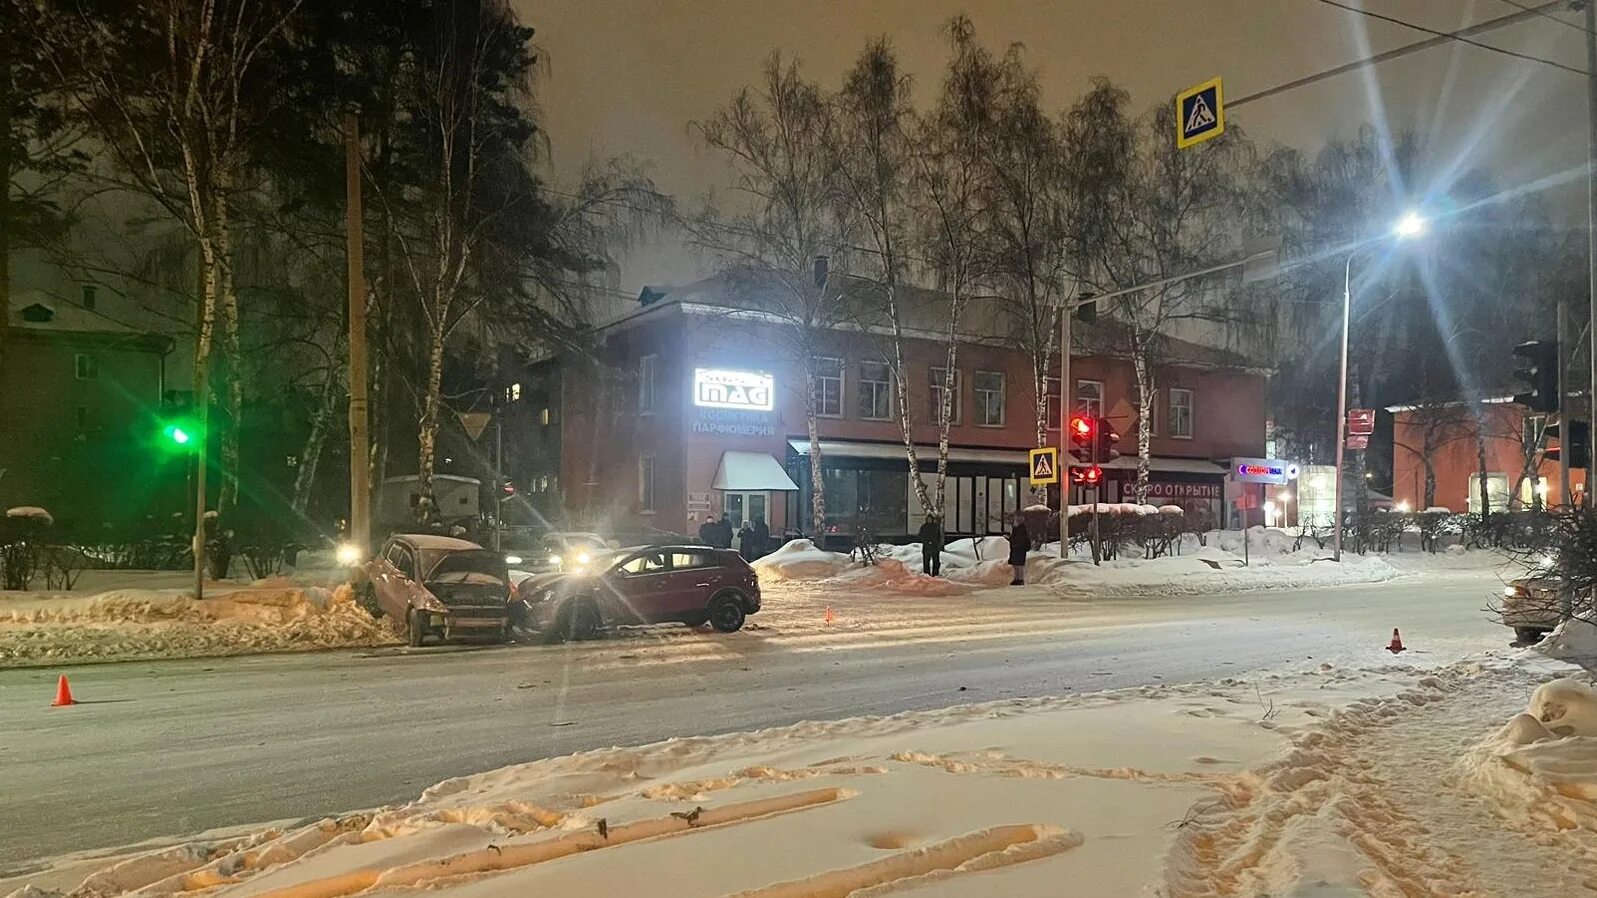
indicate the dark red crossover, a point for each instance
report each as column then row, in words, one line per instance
column 694, row 585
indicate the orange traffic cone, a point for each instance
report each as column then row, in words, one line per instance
column 829, row 616
column 1396, row 644
column 63, row 694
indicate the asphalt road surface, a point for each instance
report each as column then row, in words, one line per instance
column 165, row 748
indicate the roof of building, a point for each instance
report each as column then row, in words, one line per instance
column 58, row 316
column 924, row 314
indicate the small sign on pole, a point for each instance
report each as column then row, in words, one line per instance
column 474, row 423
column 1044, row 466
column 1200, row 113
column 1358, row 441
column 1361, row 421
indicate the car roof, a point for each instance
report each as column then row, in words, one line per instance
column 671, row 547
column 436, row 541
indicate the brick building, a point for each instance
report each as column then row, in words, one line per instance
column 699, row 409
column 1514, row 445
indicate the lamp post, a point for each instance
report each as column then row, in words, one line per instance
column 1408, row 227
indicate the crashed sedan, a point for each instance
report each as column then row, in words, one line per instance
column 439, row 586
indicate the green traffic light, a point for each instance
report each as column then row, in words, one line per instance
column 177, row 435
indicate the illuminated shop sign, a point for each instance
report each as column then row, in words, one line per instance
column 743, row 390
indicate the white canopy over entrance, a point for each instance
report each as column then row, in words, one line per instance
column 751, row 472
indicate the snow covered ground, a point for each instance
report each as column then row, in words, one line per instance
column 1477, row 777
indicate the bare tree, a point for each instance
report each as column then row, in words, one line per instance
column 1142, row 210
column 785, row 230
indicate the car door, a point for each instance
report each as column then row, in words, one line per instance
column 392, row 579
column 637, row 590
column 695, row 577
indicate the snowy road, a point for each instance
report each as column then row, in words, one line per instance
column 163, row 748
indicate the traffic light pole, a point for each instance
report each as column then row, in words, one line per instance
column 1341, row 403
column 359, row 442
column 1591, row 227
column 1564, row 441
column 1066, row 400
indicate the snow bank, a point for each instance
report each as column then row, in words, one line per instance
column 30, row 511
column 1574, row 640
column 799, row 559
column 132, row 624
column 1540, row 769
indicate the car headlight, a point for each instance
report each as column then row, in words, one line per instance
column 512, row 559
column 1510, row 591
column 348, row 554
column 583, row 558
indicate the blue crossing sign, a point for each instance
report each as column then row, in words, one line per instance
column 1200, row 113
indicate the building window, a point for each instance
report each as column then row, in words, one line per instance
column 938, row 377
column 85, row 419
column 1531, row 435
column 646, row 483
column 875, row 391
column 646, row 383
column 1496, row 491
column 88, row 367
column 513, row 393
column 1089, row 398
column 1180, row 413
column 543, row 416
column 828, row 396
column 989, row 398
column 89, row 296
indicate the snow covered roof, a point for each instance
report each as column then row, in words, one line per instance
column 60, row 316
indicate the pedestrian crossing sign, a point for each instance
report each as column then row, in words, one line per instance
column 1200, row 113
column 1044, row 466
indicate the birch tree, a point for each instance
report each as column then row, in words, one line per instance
column 1141, row 211
column 178, row 93
column 778, row 141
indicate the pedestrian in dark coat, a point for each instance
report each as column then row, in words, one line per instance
column 931, row 546
column 746, row 546
column 1019, row 545
column 762, row 537
column 707, row 530
column 723, row 533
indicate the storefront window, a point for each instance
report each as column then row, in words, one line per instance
column 875, row 391
column 875, row 499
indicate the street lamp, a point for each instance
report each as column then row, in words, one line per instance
column 1410, row 226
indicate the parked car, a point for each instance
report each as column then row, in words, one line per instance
column 1532, row 606
column 694, row 585
column 439, row 585
column 556, row 551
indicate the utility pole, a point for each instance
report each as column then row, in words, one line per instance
column 202, row 414
column 1564, row 354
column 1591, row 227
column 1066, row 399
column 359, row 442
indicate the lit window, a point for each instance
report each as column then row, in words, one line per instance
column 938, row 378
column 828, row 394
column 1089, row 398
column 543, row 416
column 646, row 383
column 646, row 483
column 1180, row 413
column 989, row 387
column 88, row 367
column 513, row 392
column 875, row 391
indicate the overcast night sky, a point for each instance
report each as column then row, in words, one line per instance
column 628, row 76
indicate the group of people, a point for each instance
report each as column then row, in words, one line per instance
column 931, row 547
column 753, row 537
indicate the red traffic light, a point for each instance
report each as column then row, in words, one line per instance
column 1081, row 429
column 1091, row 475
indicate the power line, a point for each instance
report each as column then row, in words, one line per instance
column 1542, row 11
column 1378, row 58
column 1454, row 35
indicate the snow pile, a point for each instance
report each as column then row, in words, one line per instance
column 1574, row 640
column 1540, row 769
column 131, row 624
column 1207, row 570
column 1124, row 508
column 801, row 560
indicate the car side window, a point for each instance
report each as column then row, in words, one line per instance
column 404, row 561
column 688, row 560
column 394, row 553
column 653, row 563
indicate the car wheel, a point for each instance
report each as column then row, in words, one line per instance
column 726, row 613
column 696, row 620
column 415, row 629
column 577, row 619
column 1528, row 635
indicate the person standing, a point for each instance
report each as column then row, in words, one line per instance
column 723, row 533
column 746, row 541
column 1019, row 545
column 931, row 546
column 762, row 537
column 707, row 530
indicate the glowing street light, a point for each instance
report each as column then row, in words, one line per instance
column 1411, row 226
